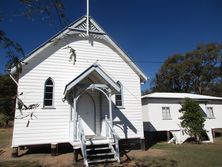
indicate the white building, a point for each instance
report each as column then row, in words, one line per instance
column 75, row 96
column 161, row 114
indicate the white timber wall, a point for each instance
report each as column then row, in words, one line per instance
column 152, row 112
column 152, row 115
column 52, row 125
column 216, row 122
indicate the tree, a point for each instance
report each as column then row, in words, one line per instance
column 192, row 119
column 7, row 99
column 198, row 71
column 51, row 11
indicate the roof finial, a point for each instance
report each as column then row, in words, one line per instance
column 87, row 18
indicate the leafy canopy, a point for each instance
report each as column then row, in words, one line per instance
column 198, row 71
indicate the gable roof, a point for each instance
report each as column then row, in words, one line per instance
column 167, row 95
column 97, row 71
column 79, row 27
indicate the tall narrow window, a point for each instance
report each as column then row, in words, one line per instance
column 210, row 112
column 166, row 113
column 119, row 96
column 48, row 95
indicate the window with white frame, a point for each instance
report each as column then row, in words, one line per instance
column 119, row 95
column 210, row 112
column 48, row 94
column 166, row 113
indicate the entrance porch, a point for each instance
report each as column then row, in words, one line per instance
column 91, row 122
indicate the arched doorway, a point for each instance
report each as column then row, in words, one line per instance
column 86, row 109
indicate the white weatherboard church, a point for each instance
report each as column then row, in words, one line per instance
column 161, row 115
column 88, row 92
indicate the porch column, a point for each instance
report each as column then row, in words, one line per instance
column 110, row 108
column 74, row 119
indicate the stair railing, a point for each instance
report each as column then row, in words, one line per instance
column 82, row 139
column 111, row 133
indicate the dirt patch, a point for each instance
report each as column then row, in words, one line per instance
column 43, row 156
column 66, row 159
column 45, row 160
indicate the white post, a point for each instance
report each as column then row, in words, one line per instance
column 74, row 118
column 87, row 18
column 107, row 128
column 110, row 109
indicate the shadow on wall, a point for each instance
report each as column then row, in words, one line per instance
column 122, row 122
column 149, row 135
column 203, row 113
column 147, row 126
column 152, row 136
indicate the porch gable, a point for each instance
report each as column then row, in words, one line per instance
column 93, row 70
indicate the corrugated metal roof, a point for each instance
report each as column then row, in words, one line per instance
column 170, row 95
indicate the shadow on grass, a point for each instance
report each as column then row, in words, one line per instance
column 125, row 147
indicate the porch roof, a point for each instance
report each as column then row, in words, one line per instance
column 95, row 71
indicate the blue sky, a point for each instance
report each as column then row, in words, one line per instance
column 147, row 30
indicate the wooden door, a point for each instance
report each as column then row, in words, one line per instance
column 86, row 110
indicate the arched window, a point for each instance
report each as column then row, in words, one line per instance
column 48, row 95
column 119, row 95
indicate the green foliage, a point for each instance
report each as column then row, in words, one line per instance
column 192, row 119
column 7, row 99
column 192, row 155
column 51, row 11
column 198, row 71
column 4, row 119
column 13, row 51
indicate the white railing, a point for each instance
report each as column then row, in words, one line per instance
column 111, row 133
column 82, row 139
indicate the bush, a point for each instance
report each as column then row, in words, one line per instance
column 4, row 120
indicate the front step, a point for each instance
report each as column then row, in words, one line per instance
column 102, row 161
column 100, row 153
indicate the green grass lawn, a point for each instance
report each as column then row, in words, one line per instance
column 187, row 155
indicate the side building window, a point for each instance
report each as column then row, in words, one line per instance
column 166, row 113
column 119, row 96
column 48, row 94
column 210, row 112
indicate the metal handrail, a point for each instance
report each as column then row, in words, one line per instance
column 115, row 136
column 82, row 138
